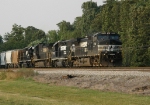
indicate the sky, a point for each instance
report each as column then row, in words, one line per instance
column 41, row 14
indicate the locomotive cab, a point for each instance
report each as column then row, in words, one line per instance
column 108, row 45
column 81, row 47
column 59, row 50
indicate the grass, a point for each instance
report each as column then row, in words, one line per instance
column 24, row 91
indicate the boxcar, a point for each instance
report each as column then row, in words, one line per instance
column 3, row 59
column 15, row 56
column 9, row 63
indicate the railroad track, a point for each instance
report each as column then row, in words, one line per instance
column 99, row 69
column 88, row 69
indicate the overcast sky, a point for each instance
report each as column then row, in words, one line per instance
column 41, row 14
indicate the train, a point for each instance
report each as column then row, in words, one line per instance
column 99, row 49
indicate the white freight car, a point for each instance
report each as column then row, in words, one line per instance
column 3, row 59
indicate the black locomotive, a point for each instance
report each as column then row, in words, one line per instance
column 100, row 49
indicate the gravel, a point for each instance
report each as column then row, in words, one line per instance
column 112, row 73
column 132, row 82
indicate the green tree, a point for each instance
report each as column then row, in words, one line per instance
column 1, row 43
column 1, row 39
column 77, row 25
column 33, row 34
column 65, row 29
column 140, row 33
column 52, row 36
column 135, row 32
column 96, row 24
column 14, row 39
column 125, row 31
column 90, row 10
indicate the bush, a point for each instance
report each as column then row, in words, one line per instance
column 22, row 73
column 26, row 73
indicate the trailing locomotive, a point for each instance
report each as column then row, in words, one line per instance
column 100, row 49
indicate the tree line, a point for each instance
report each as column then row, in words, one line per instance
column 129, row 18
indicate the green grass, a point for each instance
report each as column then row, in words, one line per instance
column 28, row 92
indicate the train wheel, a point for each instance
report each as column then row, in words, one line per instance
column 54, row 64
column 20, row 65
column 45, row 63
column 70, row 64
column 92, row 62
column 64, row 63
column 28, row 64
column 6, row 66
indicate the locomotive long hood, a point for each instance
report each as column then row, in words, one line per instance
column 108, row 42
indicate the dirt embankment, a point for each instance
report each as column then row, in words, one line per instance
column 133, row 84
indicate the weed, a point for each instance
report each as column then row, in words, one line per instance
column 26, row 73
column 2, row 75
column 21, row 73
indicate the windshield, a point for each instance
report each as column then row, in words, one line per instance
column 116, row 37
column 106, row 37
